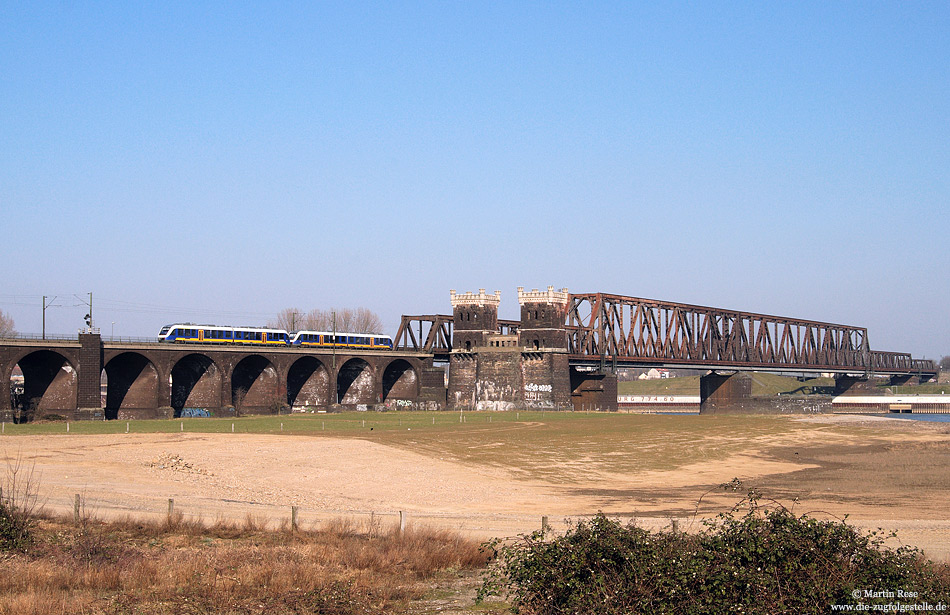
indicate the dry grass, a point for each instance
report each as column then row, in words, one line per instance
column 179, row 566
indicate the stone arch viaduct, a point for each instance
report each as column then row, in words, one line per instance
column 153, row 380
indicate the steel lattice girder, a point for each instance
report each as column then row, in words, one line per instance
column 632, row 330
column 434, row 333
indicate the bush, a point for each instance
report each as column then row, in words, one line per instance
column 765, row 561
column 14, row 529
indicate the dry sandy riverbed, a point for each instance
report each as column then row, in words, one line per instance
column 879, row 482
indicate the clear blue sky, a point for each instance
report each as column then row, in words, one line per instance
column 217, row 162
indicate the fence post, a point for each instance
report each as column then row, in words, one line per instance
column 402, row 521
column 544, row 524
column 76, row 509
column 293, row 519
column 171, row 509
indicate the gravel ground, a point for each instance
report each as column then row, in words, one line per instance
column 235, row 475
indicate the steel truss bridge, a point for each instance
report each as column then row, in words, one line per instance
column 605, row 330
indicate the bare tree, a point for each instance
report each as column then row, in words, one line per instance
column 945, row 364
column 6, row 326
column 345, row 320
column 289, row 319
column 319, row 320
column 366, row 321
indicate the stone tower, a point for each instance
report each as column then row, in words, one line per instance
column 475, row 319
column 543, row 341
column 475, row 316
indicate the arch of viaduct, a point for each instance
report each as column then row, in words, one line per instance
column 164, row 381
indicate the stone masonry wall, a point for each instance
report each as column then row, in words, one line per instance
column 498, row 385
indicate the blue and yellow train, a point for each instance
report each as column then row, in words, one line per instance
column 261, row 336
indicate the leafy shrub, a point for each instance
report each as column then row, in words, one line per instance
column 767, row 561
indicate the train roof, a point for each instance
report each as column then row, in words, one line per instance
column 338, row 333
column 235, row 328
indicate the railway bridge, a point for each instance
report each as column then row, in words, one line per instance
column 566, row 348
column 62, row 378
column 562, row 353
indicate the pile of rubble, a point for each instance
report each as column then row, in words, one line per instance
column 167, row 461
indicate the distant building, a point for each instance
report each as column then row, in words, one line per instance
column 655, row 374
